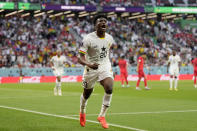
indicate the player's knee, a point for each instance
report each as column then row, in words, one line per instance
column 109, row 90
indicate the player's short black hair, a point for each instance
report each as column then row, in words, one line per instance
column 98, row 17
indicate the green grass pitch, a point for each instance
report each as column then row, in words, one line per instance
column 33, row 107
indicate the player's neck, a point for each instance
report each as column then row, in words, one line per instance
column 100, row 34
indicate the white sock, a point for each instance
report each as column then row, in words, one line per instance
column 83, row 103
column 176, row 83
column 171, row 82
column 106, row 103
column 59, row 85
column 56, row 86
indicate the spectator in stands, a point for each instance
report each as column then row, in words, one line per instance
column 33, row 41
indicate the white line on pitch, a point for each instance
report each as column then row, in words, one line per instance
column 136, row 113
column 68, row 117
column 11, row 97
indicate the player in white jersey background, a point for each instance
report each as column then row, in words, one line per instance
column 94, row 55
column 57, row 64
column 174, row 63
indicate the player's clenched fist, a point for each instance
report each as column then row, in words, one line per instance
column 93, row 66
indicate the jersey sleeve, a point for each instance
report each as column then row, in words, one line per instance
column 84, row 46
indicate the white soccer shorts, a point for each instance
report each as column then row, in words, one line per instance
column 174, row 71
column 58, row 72
column 90, row 76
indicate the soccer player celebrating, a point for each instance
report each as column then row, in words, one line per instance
column 94, row 55
column 194, row 63
column 123, row 71
column 174, row 63
column 57, row 64
column 140, row 70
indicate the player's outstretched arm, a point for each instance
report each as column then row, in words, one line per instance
column 82, row 60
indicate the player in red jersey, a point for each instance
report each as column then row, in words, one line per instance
column 194, row 63
column 123, row 71
column 141, row 74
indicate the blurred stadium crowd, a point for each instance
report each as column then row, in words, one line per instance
column 156, row 38
column 31, row 42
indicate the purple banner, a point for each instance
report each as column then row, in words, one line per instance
column 69, row 7
column 123, row 9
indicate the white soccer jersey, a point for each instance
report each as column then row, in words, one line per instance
column 97, row 49
column 174, row 61
column 58, row 62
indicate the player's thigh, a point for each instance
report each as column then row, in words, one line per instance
column 60, row 71
column 89, row 79
column 176, row 72
column 122, row 74
column 172, row 71
column 195, row 73
column 140, row 73
column 56, row 73
column 143, row 75
column 105, row 77
column 107, row 83
column 125, row 75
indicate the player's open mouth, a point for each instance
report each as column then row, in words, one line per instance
column 103, row 27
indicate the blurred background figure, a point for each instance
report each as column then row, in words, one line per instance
column 174, row 62
column 140, row 70
column 57, row 64
column 194, row 63
column 123, row 71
